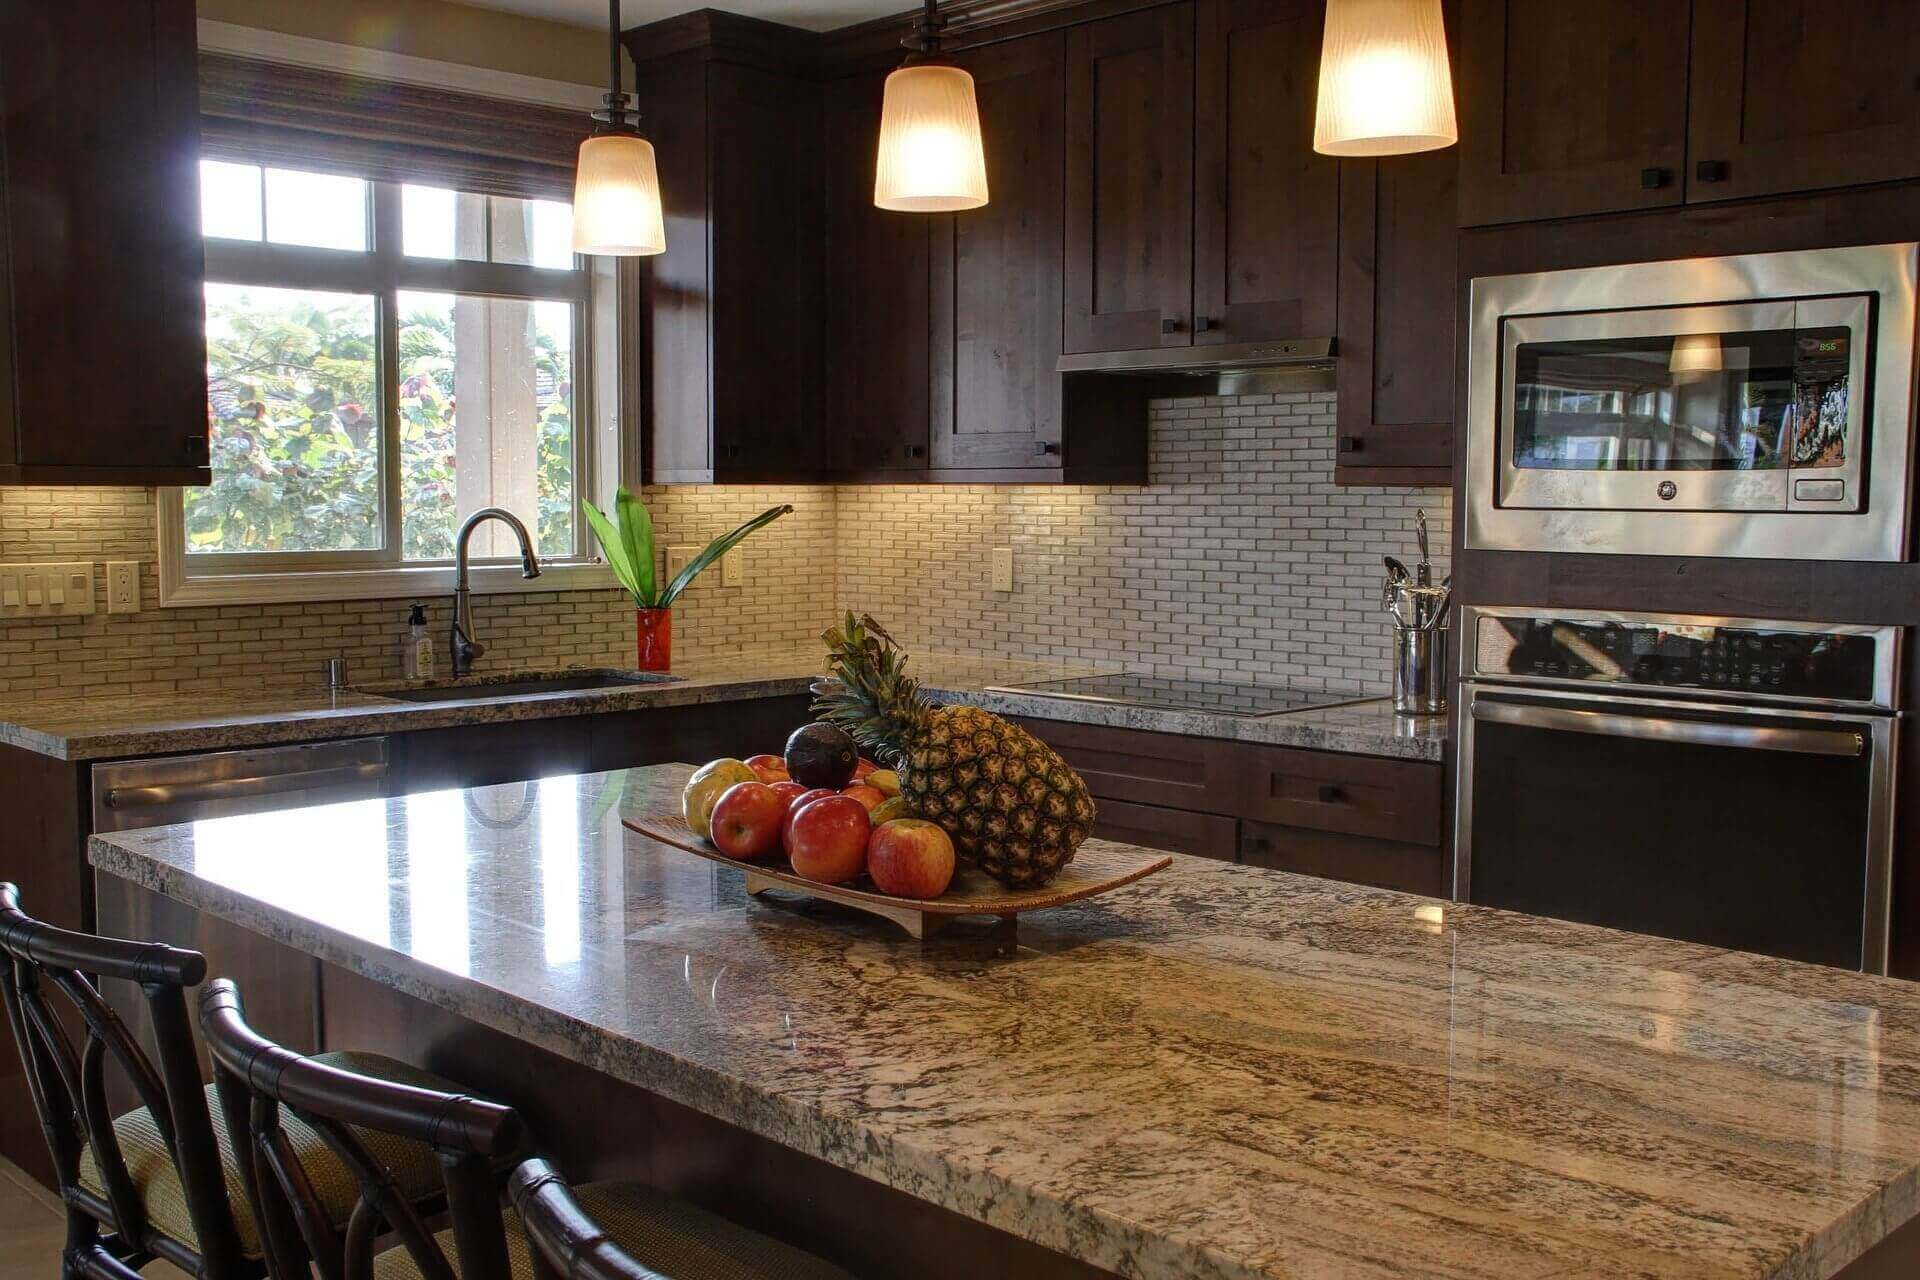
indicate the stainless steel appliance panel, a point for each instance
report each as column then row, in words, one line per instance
column 131, row 794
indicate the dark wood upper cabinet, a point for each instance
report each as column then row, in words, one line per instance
column 1794, row 95
column 1266, row 204
column 997, row 272
column 732, row 313
column 876, row 301
column 1573, row 108
column 1129, row 233
column 101, row 265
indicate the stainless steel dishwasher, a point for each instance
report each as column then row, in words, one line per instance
column 129, row 794
column 282, row 986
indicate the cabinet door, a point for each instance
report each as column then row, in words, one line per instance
column 1130, row 181
column 876, row 353
column 765, row 255
column 996, row 271
column 1266, row 204
column 100, row 245
column 1792, row 95
column 1398, row 294
column 1204, row 835
column 1570, row 108
column 1384, row 864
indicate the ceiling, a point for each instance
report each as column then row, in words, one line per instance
column 814, row 15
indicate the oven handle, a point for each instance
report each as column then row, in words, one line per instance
column 1608, row 724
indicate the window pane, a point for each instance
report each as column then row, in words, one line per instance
column 291, row 390
column 318, row 210
column 230, row 200
column 508, row 364
column 533, row 233
column 438, row 223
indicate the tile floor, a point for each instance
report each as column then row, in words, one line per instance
column 32, row 1229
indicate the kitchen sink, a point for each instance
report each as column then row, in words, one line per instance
column 519, row 686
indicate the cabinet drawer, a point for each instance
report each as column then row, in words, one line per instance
column 1384, row 864
column 1143, row 768
column 1326, row 791
column 1205, row 835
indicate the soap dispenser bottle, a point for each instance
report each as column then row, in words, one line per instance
column 417, row 659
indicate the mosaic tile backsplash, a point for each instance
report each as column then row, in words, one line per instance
column 1240, row 559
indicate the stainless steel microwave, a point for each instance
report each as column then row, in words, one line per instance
column 1756, row 405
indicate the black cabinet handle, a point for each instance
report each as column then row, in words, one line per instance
column 1654, row 179
column 1710, row 171
column 1332, row 793
column 915, row 451
column 1169, row 324
column 1043, row 447
column 1351, row 444
column 1202, row 323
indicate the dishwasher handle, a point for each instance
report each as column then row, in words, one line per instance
column 1648, row 728
column 123, row 798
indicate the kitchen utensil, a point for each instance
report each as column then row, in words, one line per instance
column 1419, row 609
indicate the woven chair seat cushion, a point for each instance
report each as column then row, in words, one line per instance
column 681, row 1241
column 414, row 1166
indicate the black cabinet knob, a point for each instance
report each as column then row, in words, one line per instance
column 196, row 448
column 1332, row 793
column 1654, row 179
column 1202, row 323
column 915, row 451
column 1710, row 171
column 1351, row 444
column 1169, row 324
column 1043, row 447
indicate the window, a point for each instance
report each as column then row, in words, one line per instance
column 384, row 359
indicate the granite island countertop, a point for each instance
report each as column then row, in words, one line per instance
column 1219, row 1071
column 120, row 725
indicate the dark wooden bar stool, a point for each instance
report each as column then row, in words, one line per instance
column 610, row 1231
column 159, row 1181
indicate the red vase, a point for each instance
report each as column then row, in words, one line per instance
column 653, row 634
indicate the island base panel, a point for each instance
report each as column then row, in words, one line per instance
column 593, row 1126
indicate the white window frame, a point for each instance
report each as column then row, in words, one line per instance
column 601, row 452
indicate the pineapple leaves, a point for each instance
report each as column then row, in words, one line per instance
column 715, row 549
column 628, row 541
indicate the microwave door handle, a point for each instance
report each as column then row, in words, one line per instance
column 1612, row 724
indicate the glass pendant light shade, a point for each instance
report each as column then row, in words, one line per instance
column 1385, row 86
column 931, row 159
column 1695, row 353
column 616, row 198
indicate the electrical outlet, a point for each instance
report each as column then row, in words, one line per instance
column 46, row 590
column 1003, row 568
column 678, row 558
column 733, row 568
column 123, row 586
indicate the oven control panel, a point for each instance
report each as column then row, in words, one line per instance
column 1780, row 660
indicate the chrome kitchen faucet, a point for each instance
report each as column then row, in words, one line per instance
column 461, row 645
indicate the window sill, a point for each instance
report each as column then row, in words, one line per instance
column 179, row 590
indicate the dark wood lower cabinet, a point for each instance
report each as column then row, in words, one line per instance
column 1385, row 864
column 1205, row 835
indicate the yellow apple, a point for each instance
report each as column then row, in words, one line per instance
column 704, row 789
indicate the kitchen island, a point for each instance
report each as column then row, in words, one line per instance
column 1219, row 1071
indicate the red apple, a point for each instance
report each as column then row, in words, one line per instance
column 788, row 791
column 799, row 802
column 871, row 797
column 769, row 769
column 860, row 769
column 910, row 858
column 746, row 821
column 829, row 841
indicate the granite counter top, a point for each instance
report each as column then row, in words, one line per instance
column 1217, row 1072
column 94, row 728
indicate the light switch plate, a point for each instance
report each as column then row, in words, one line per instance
column 1003, row 568
column 61, row 590
column 677, row 559
column 733, row 568
column 123, row 586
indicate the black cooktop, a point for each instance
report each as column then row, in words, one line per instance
column 1130, row 689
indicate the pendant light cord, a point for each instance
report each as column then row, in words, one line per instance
column 615, row 117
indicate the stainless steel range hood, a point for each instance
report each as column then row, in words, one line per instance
column 1228, row 369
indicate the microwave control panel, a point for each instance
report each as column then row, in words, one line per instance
column 1686, row 654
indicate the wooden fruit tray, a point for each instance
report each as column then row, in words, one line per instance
column 1096, row 868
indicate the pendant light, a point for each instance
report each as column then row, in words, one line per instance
column 1385, row 86
column 1695, row 353
column 616, row 190
column 931, row 159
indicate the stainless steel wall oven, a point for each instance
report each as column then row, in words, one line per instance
column 1725, row 781
column 1742, row 406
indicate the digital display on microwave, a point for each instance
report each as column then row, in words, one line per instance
column 1755, row 400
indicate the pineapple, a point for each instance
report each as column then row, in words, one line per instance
column 1011, row 804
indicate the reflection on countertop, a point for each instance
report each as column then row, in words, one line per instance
column 106, row 726
column 1218, row 1071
